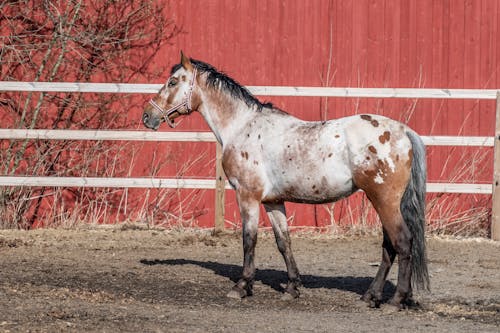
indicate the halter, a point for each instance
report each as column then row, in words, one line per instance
column 165, row 114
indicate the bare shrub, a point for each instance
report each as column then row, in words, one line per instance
column 93, row 40
column 461, row 214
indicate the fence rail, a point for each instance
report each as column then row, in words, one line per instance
column 44, row 134
column 138, row 88
column 187, row 183
column 115, row 182
column 20, row 134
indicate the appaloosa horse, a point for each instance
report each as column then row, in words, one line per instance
column 271, row 157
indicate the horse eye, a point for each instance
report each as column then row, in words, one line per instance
column 172, row 82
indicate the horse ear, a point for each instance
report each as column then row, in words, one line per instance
column 186, row 62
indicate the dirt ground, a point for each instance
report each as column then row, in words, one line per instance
column 120, row 279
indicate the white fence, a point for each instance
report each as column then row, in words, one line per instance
column 129, row 88
column 208, row 137
column 189, row 137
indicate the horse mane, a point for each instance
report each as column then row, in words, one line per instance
column 219, row 80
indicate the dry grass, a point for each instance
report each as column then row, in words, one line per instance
column 462, row 214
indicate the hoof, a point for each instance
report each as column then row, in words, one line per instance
column 288, row 297
column 291, row 291
column 391, row 308
column 407, row 303
column 373, row 304
column 238, row 292
column 372, row 301
column 362, row 304
column 410, row 303
column 290, row 294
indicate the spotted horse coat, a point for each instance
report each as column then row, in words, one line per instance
column 271, row 157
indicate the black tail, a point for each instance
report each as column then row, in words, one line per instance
column 413, row 210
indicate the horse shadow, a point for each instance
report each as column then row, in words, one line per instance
column 276, row 278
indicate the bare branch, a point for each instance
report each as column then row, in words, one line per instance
column 75, row 40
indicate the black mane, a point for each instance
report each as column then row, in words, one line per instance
column 216, row 79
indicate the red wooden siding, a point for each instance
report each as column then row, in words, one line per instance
column 349, row 43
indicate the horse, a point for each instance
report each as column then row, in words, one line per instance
column 272, row 157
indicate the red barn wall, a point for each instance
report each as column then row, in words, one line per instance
column 348, row 43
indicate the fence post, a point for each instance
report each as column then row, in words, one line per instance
column 220, row 185
column 495, row 202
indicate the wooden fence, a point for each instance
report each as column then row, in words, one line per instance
column 218, row 183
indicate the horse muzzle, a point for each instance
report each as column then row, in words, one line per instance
column 151, row 122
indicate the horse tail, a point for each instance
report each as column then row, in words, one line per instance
column 413, row 211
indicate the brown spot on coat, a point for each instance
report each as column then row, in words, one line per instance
column 385, row 137
column 369, row 118
column 337, row 136
column 244, row 154
column 372, row 149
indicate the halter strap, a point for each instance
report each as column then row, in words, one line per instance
column 165, row 114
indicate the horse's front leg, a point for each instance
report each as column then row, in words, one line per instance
column 277, row 216
column 249, row 210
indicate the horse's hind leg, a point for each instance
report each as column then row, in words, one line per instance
column 373, row 295
column 397, row 238
column 402, row 242
column 385, row 185
column 249, row 210
column 277, row 216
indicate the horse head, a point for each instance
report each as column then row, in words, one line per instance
column 174, row 98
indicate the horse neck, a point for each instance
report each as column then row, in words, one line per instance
column 224, row 114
